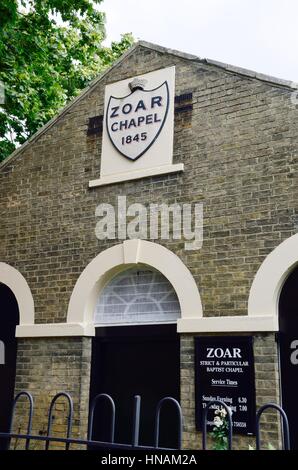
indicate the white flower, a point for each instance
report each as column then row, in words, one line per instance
column 217, row 421
column 221, row 412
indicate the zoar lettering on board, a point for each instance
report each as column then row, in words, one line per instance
column 135, row 121
column 220, row 352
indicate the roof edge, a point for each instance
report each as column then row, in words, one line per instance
column 228, row 67
column 183, row 55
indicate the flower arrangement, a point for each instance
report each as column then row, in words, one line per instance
column 220, row 430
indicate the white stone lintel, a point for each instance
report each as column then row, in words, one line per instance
column 54, row 330
column 228, row 324
column 135, row 175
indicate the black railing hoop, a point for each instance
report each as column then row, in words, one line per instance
column 69, row 416
column 96, row 399
column 30, row 417
column 285, row 427
column 157, row 420
column 136, row 420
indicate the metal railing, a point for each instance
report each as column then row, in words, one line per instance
column 110, row 443
column 89, row 442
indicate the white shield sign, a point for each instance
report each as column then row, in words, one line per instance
column 135, row 121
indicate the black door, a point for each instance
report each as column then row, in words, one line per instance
column 9, row 314
column 142, row 360
column 288, row 321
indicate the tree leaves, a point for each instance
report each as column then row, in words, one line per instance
column 45, row 62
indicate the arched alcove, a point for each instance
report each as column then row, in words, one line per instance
column 131, row 253
column 267, row 284
column 288, row 350
column 13, row 279
column 9, row 314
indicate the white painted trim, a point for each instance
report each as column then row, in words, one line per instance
column 227, row 324
column 54, row 330
column 19, row 286
column 134, row 175
column 131, row 252
column 267, row 284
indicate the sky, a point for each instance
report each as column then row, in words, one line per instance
column 260, row 35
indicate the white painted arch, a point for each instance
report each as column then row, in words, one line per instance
column 270, row 278
column 120, row 257
column 13, row 279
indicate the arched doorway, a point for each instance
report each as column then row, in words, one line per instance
column 288, row 342
column 9, row 312
column 136, row 352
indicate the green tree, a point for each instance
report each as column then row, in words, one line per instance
column 49, row 51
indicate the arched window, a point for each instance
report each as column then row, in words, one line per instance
column 137, row 295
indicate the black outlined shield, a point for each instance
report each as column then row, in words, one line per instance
column 135, row 121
